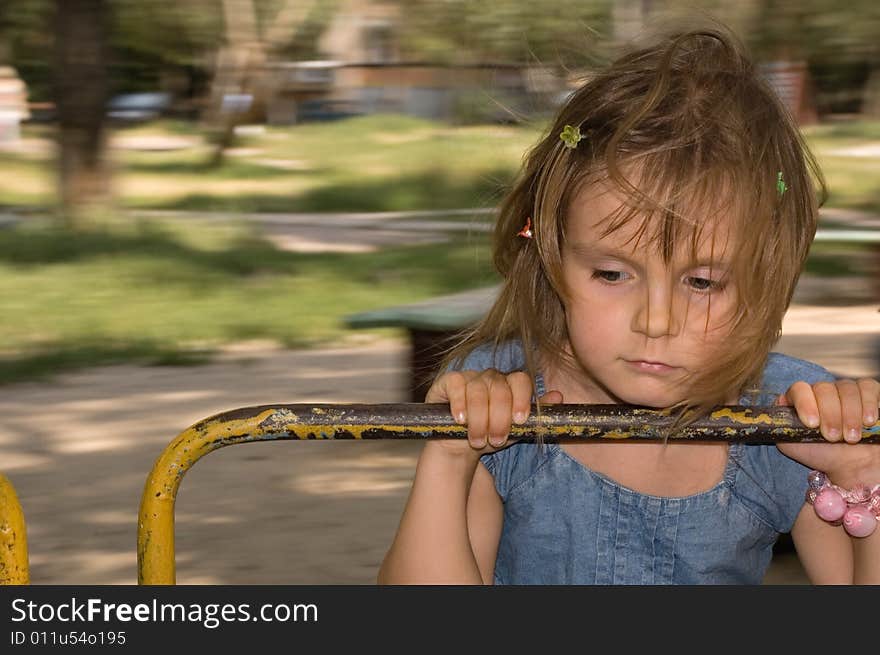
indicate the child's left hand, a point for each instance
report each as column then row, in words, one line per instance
column 840, row 410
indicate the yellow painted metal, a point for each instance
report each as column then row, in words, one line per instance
column 302, row 422
column 156, row 516
column 13, row 537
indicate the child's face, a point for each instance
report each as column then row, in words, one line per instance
column 637, row 326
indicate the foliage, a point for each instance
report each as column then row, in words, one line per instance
column 147, row 39
column 23, row 29
column 839, row 40
column 565, row 33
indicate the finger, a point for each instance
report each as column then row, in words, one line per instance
column 477, row 411
column 521, row 387
column 437, row 391
column 850, row 410
column 451, row 387
column 551, row 398
column 782, row 400
column 828, row 402
column 803, row 397
column 500, row 411
column 870, row 392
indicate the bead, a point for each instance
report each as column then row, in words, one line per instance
column 874, row 505
column 811, row 496
column 859, row 494
column 858, row 521
column 829, row 505
column 816, row 480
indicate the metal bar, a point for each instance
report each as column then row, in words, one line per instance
column 13, row 537
column 557, row 423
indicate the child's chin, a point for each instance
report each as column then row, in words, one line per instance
column 657, row 400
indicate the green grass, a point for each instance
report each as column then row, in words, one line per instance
column 854, row 130
column 361, row 164
column 853, row 182
column 828, row 259
column 163, row 293
column 26, row 182
column 436, row 189
column 174, row 292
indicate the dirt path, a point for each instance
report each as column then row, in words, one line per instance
column 78, row 451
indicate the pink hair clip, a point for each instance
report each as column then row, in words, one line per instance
column 527, row 229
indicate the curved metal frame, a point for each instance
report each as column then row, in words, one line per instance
column 13, row 537
column 422, row 421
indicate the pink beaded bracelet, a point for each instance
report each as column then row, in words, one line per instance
column 857, row 509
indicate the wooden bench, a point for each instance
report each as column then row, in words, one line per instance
column 431, row 324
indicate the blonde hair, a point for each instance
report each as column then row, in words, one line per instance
column 689, row 110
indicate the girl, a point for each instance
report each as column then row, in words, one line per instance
column 649, row 251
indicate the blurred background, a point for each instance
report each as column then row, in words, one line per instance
column 196, row 197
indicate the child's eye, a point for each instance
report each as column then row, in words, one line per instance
column 610, row 276
column 703, row 284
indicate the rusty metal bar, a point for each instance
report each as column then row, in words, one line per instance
column 557, row 423
column 13, row 537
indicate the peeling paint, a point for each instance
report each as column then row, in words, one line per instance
column 745, row 417
column 418, row 421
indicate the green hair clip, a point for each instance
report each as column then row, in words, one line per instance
column 780, row 184
column 571, row 135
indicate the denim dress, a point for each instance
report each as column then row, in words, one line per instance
column 567, row 524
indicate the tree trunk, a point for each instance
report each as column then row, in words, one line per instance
column 81, row 99
column 871, row 94
column 232, row 73
column 241, row 65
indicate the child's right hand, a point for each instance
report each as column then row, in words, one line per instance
column 488, row 402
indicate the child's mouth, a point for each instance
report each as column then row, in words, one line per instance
column 651, row 367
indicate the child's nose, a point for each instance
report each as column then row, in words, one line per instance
column 657, row 316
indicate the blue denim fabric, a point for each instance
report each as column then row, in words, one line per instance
column 567, row 524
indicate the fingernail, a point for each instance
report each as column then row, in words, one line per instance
column 870, row 419
column 496, row 444
column 812, row 421
column 854, row 434
column 833, row 433
column 460, row 417
column 519, row 417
